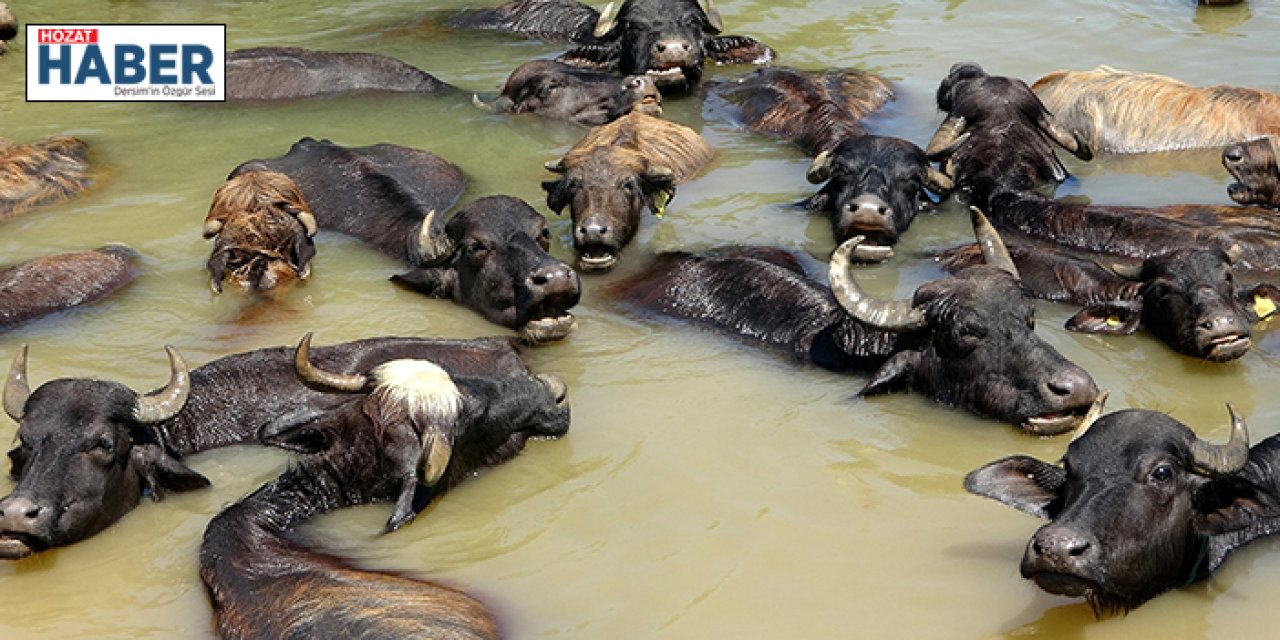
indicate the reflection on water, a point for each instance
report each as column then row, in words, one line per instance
column 705, row 489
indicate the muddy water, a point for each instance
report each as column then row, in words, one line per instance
column 705, row 490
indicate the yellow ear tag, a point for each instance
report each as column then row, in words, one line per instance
column 660, row 203
column 1263, row 306
column 1113, row 321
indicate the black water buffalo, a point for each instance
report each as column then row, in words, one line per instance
column 491, row 257
column 8, row 27
column 1255, row 164
column 1187, row 297
column 557, row 90
column 41, row 173
column 416, row 431
column 49, row 284
column 616, row 172
column 286, row 73
column 262, row 229
column 88, row 450
column 1138, row 506
column 996, row 117
column 967, row 341
column 668, row 40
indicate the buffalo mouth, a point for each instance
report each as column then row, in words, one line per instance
column 14, row 546
column 1064, row 584
column 668, row 75
column 1228, row 347
column 597, row 261
column 1052, row 423
column 549, row 320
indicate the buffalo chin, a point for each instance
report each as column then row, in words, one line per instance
column 1227, row 348
column 15, row 546
column 598, row 262
column 548, row 329
column 1064, row 584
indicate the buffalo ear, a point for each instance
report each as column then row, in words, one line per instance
column 299, row 438
column 1260, row 301
column 434, row 282
column 301, row 252
column 217, row 268
column 1120, row 317
column 557, row 195
column 1022, row 482
column 894, row 375
column 162, row 473
column 738, row 50
column 17, row 462
column 413, row 499
column 1229, row 504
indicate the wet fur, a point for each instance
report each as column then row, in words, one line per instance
column 49, row 284
column 41, row 173
column 286, row 73
column 260, row 239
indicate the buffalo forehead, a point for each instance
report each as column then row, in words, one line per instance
column 1119, row 440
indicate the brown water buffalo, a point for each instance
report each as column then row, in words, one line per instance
column 287, row 73
column 616, row 172
column 1138, row 505
column 1118, row 111
column 41, row 173
column 557, row 90
column 1188, row 297
column 49, row 284
column 1255, row 164
column 262, row 228
column 668, row 40
column 8, row 27
column 88, row 450
column 996, row 117
column 417, row 429
column 966, row 341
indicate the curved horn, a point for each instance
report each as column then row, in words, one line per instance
column 435, row 459
column 1095, row 411
column 1221, row 459
column 501, row 104
column 555, row 166
column 167, row 402
column 820, row 169
column 308, row 222
column 1234, row 252
column 713, row 16
column 897, row 315
column 16, row 390
column 938, row 182
column 949, row 136
column 605, row 24
column 993, row 250
column 1128, row 271
column 433, row 247
column 558, row 388
column 316, row 376
column 212, row 227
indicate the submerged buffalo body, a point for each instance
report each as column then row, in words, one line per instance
column 1255, row 164
column 557, row 90
column 49, row 284
column 286, row 73
column 41, row 173
column 1118, row 111
column 418, row 432
column 88, row 450
column 966, row 341
column 1138, row 506
column 1187, row 297
column 614, row 174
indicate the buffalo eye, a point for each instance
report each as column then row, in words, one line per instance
column 1162, row 473
column 544, row 239
column 476, row 249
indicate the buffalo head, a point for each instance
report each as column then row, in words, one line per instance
column 262, row 231
column 86, row 454
column 1139, row 505
column 8, row 25
column 557, row 90
column 874, row 187
column 1255, row 164
column 492, row 257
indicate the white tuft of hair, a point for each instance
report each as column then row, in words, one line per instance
column 421, row 387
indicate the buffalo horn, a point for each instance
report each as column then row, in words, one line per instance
column 212, row 227
column 1221, row 459
column 947, row 138
column 820, row 169
column 897, row 315
column 938, row 181
column 167, row 402
column 15, row 387
column 994, row 252
column 314, row 375
column 435, row 459
column 1091, row 416
column 555, row 166
column 605, row 24
column 433, row 247
column 1233, row 253
column 659, row 173
column 308, row 222
column 713, row 16
column 501, row 104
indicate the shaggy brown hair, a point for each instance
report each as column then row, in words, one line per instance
column 639, row 137
column 40, row 173
column 256, row 214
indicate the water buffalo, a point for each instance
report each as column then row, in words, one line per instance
column 557, row 90
column 41, row 173
column 88, row 450
column 262, row 228
column 49, row 284
column 1187, row 297
column 997, row 117
column 1118, row 111
column 1255, row 164
column 966, row 341
column 1139, row 505
column 668, row 40
column 417, row 430
column 8, row 27
column 616, row 172
column 287, row 73
column 491, row 257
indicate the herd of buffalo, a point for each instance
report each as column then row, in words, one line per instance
column 1137, row 506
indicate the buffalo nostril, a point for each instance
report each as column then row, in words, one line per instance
column 1077, row 549
column 883, row 210
column 1232, row 156
column 1035, row 546
column 540, row 280
column 662, row 46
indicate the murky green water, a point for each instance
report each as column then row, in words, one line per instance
column 705, row 490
